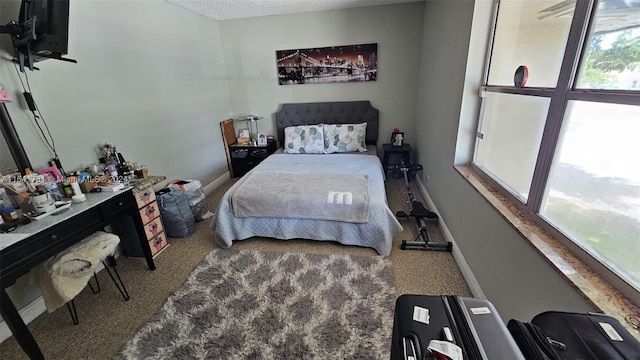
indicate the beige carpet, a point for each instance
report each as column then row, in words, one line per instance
column 107, row 321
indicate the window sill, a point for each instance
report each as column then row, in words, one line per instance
column 597, row 291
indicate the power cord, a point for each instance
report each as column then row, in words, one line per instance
column 37, row 116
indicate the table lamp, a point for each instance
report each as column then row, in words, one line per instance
column 251, row 120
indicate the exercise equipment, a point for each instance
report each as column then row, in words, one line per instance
column 418, row 212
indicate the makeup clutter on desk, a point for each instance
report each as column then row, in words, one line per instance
column 51, row 190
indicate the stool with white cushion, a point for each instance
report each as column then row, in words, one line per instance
column 62, row 277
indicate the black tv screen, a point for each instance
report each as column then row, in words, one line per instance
column 43, row 32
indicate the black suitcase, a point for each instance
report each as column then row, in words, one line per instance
column 557, row 335
column 473, row 324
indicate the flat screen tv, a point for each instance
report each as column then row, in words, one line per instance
column 41, row 32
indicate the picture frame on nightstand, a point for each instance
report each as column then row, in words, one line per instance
column 397, row 139
column 262, row 139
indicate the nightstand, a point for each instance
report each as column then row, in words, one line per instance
column 403, row 152
column 246, row 157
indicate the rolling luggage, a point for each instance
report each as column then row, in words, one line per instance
column 472, row 324
column 558, row 335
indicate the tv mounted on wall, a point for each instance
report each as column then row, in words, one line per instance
column 41, row 32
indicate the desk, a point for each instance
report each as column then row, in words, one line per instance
column 31, row 244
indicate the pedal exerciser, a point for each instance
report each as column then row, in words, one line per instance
column 419, row 213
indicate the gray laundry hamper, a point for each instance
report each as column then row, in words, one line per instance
column 176, row 214
column 197, row 201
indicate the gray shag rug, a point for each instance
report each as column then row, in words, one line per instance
column 247, row 304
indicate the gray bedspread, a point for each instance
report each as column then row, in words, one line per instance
column 336, row 197
column 377, row 233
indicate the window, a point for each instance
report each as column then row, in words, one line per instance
column 564, row 147
column 511, row 159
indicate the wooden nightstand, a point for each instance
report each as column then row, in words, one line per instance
column 246, row 157
column 404, row 152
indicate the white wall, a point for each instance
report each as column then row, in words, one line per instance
column 512, row 275
column 250, row 47
column 150, row 79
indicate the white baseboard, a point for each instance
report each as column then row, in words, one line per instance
column 215, row 183
column 28, row 314
column 471, row 280
column 36, row 307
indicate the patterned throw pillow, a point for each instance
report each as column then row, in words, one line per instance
column 303, row 139
column 345, row 138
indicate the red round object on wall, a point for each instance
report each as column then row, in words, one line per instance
column 521, row 76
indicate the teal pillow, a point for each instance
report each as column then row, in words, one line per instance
column 345, row 138
column 303, row 139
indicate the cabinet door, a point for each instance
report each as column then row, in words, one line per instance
column 242, row 167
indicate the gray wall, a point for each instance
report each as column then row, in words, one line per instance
column 250, row 54
column 150, row 79
column 510, row 272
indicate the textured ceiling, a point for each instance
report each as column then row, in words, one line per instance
column 237, row 9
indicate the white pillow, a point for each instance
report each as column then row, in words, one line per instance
column 345, row 138
column 303, row 139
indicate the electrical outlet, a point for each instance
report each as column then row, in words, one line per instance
column 426, row 178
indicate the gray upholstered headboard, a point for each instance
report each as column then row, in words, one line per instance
column 336, row 112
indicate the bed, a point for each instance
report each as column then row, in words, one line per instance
column 358, row 214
